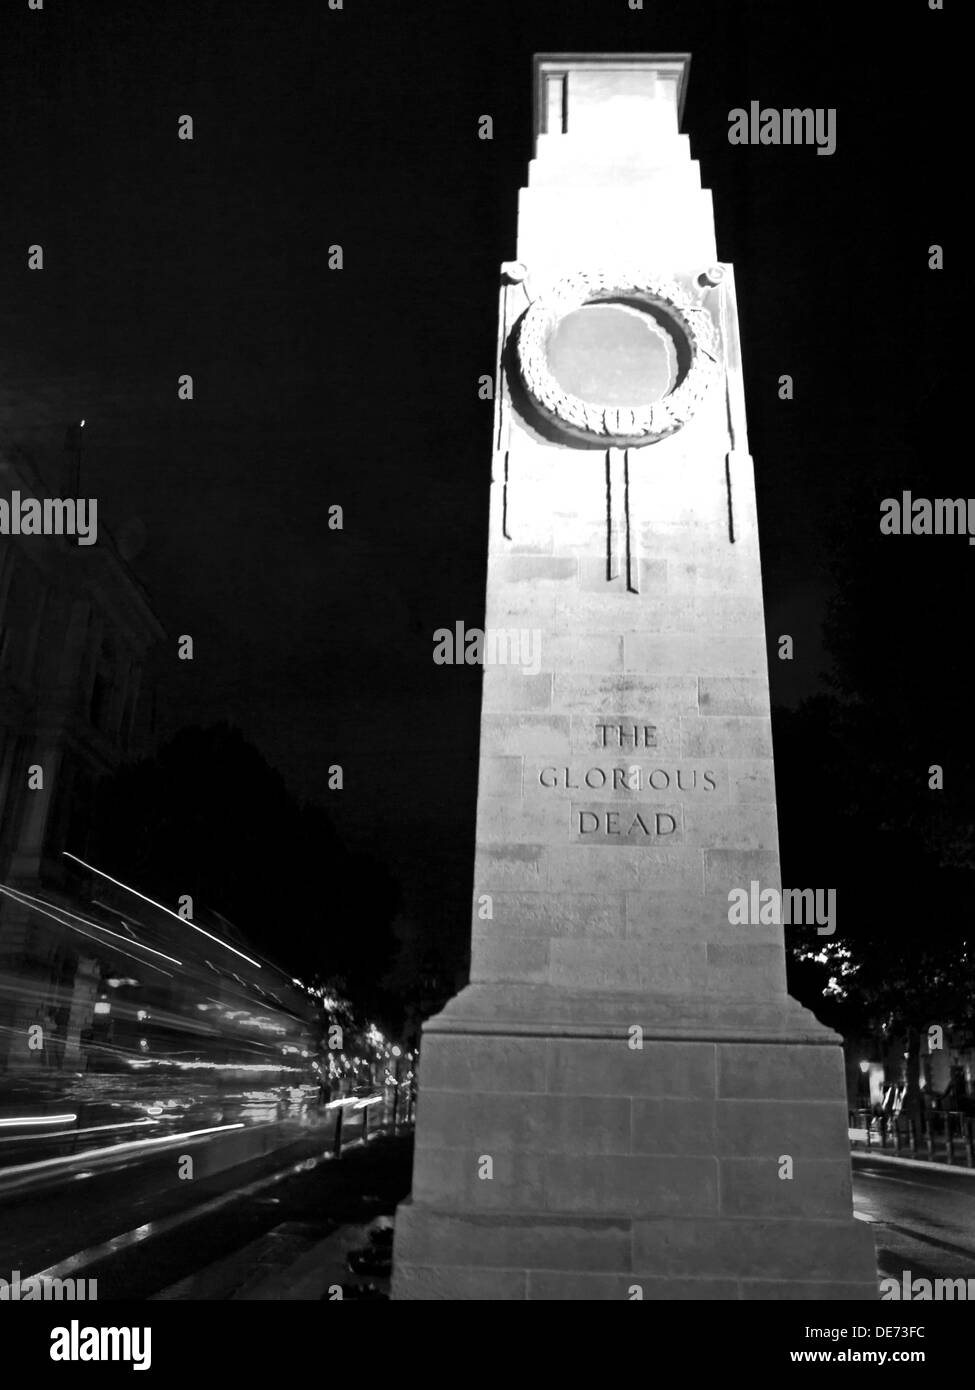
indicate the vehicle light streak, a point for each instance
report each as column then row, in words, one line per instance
column 112, row 1151
column 73, row 1133
column 147, row 964
column 39, row 1120
column 162, row 907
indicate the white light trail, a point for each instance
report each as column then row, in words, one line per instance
column 162, row 907
column 111, row 1150
column 73, row 1133
column 40, row 1120
column 146, row 964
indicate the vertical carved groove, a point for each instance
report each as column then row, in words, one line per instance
column 731, row 511
column 499, row 368
column 609, row 515
column 504, row 500
column 632, row 571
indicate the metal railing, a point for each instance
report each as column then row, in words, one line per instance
column 941, row 1136
column 360, row 1118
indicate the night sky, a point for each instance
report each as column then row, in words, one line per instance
column 359, row 387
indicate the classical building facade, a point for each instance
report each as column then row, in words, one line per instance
column 75, row 629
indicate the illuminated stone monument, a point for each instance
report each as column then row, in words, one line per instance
column 624, row 1102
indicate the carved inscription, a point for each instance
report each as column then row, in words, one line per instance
column 627, row 822
column 626, row 735
column 625, row 825
column 635, row 778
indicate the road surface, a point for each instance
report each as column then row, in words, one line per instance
column 922, row 1220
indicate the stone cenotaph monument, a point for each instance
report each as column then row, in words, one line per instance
column 624, row 1102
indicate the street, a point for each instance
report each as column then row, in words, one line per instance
column 138, row 1239
column 142, row 1235
column 922, row 1220
column 137, row 1219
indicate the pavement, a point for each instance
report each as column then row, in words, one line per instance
column 281, row 1228
column 863, row 1141
column 291, row 1263
column 922, row 1217
column 932, row 1165
column 306, row 1261
column 278, row 1228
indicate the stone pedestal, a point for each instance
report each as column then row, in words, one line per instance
column 625, row 1103
column 622, row 1172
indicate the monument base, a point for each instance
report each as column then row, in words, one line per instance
column 597, row 1146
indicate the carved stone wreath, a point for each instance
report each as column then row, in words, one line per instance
column 621, row 424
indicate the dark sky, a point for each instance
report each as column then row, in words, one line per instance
column 359, row 127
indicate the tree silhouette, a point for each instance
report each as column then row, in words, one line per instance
column 206, row 816
column 859, row 805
